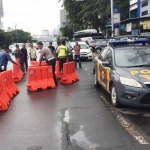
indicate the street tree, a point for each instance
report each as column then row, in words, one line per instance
column 23, row 37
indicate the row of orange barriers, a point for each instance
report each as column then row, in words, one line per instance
column 17, row 72
column 40, row 77
column 8, row 89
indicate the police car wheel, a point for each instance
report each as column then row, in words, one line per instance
column 97, row 85
column 114, row 98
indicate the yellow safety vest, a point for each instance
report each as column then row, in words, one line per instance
column 62, row 51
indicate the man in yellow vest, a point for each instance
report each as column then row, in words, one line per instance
column 62, row 54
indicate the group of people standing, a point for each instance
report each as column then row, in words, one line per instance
column 50, row 54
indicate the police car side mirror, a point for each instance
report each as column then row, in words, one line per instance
column 106, row 64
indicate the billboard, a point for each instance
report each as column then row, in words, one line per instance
column 146, row 25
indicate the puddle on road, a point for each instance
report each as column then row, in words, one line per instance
column 80, row 140
column 67, row 118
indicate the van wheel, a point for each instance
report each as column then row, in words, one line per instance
column 114, row 98
column 98, row 51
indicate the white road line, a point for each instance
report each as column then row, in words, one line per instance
column 127, row 127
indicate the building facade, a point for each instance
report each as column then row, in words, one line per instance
column 63, row 18
column 139, row 8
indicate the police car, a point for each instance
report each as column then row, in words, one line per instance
column 123, row 70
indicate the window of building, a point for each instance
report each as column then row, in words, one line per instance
column 145, row 4
column 144, row 13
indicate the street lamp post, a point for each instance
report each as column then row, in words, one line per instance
column 112, row 18
column 16, row 31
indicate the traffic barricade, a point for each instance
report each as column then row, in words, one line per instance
column 36, row 63
column 57, row 70
column 17, row 72
column 8, row 89
column 4, row 100
column 69, row 75
column 40, row 77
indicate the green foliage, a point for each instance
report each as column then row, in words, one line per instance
column 23, row 37
column 67, row 32
column 93, row 13
column 5, row 39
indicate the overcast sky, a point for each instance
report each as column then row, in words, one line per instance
column 31, row 15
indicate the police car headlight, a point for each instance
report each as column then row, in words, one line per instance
column 130, row 82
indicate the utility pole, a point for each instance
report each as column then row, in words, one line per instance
column 16, row 32
column 112, row 17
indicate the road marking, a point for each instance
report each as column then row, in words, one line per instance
column 127, row 126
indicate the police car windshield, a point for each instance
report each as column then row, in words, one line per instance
column 132, row 57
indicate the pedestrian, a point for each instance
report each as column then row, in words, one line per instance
column 50, row 58
column 32, row 53
column 62, row 55
column 4, row 58
column 25, row 54
column 77, row 54
column 52, row 48
column 19, row 56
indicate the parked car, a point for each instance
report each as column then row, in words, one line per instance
column 100, row 45
column 85, row 51
column 10, row 47
column 92, row 44
column 123, row 70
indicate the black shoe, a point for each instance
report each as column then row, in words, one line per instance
column 80, row 67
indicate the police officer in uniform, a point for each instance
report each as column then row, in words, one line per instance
column 62, row 54
column 50, row 58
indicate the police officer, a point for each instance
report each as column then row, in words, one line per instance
column 62, row 54
column 4, row 58
column 50, row 58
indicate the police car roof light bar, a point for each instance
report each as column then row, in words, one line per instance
column 121, row 42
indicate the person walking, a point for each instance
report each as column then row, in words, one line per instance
column 50, row 58
column 77, row 54
column 25, row 53
column 19, row 56
column 4, row 58
column 32, row 53
column 62, row 55
column 52, row 48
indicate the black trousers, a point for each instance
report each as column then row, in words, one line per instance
column 61, row 62
column 26, row 63
column 33, row 59
column 52, row 63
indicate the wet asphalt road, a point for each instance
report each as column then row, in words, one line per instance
column 71, row 117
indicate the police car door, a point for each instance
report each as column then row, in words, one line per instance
column 105, row 71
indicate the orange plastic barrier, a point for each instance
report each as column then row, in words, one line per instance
column 40, row 77
column 17, row 72
column 36, row 63
column 57, row 70
column 8, row 89
column 69, row 75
